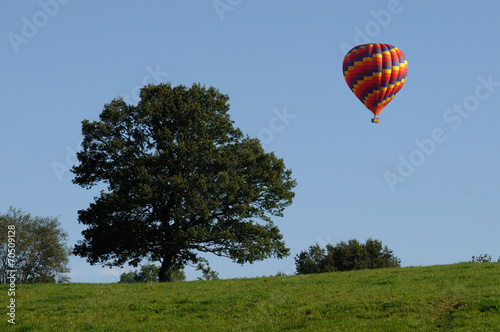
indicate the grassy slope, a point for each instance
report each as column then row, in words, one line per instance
column 463, row 296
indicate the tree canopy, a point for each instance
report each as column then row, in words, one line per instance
column 181, row 180
column 346, row 257
column 40, row 252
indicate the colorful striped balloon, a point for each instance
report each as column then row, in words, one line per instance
column 375, row 73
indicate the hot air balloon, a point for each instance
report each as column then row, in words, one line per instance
column 375, row 73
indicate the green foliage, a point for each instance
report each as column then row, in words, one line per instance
column 346, row 257
column 312, row 261
column 482, row 259
column 41, row 251
column 147, row 273
column 181, row 180
column 459, row 297
column 177, row 275
column 150, row 273
column 206, row 270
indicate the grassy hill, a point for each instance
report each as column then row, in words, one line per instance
column 462, row 297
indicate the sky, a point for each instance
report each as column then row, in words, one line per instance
column 424, row 180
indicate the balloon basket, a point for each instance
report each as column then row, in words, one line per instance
column 375, row 120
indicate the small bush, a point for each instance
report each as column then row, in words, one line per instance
column 150, row 273
column 345, row 257
column 482, row 259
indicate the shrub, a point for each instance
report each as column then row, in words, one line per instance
column 150, row 273
column 346, row 257
column 482, row 259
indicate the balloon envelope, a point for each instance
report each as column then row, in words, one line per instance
column 375, row 73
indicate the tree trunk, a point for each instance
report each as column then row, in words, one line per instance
column 166, row 268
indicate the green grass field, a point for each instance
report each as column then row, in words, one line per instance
column 462, row 297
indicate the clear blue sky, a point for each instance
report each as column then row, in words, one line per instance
column 424, row 180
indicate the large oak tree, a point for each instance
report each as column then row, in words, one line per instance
column 181, row 180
